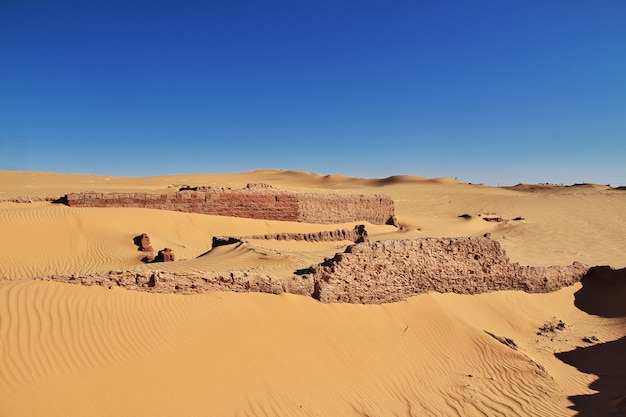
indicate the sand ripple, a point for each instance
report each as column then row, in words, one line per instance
column 125, row 353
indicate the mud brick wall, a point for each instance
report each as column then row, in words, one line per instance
column 357, row 235
column 319, row 208
column 252, row 203
column 187, row 283
column 388, row 271
column 368, row 273
column 236, row 203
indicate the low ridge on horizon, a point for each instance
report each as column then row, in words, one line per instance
column 332, row 177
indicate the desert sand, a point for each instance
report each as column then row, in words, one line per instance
column 71, row 350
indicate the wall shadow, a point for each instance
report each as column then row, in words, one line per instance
column 608, row 361
column 604, row 294
column 61, row 200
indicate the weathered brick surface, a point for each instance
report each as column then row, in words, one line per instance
column 317, row 208
column 357, row 234
column 189, row 282
column 254, row 202
column 388, row 271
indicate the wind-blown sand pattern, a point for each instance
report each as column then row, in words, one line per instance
column 71, row 350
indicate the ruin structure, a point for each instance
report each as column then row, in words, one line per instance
column 367, row 273
column 254, row 202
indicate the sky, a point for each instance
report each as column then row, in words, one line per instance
column 498, row 92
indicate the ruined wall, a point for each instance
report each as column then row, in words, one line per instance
column 163, row 282
column 367, row 273
column 316, row 208
column 357, row 235
column 389, row 271
column 255, row 203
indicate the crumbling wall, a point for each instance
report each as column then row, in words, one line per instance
column 253, row 202
column 188, row 282
column 388, row 271
column 357, row 235
column 367, row 273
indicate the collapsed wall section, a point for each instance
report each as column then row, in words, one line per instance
column 255, row 203
column 388, row 271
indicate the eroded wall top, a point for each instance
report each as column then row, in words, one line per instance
column 252, row 202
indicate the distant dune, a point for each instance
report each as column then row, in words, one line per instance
column 71, row 350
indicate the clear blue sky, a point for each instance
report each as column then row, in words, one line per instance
column 501, row 91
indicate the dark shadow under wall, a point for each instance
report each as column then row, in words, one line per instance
column 603, row 294
column 61, row 200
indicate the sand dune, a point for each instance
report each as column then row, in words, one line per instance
column 68, row 350
column 258, row 354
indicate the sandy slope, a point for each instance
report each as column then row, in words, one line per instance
column 90, row 351
column 44, row 238
column 74, row 351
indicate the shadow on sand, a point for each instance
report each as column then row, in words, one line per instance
column 61, row 200
column 603, row 294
